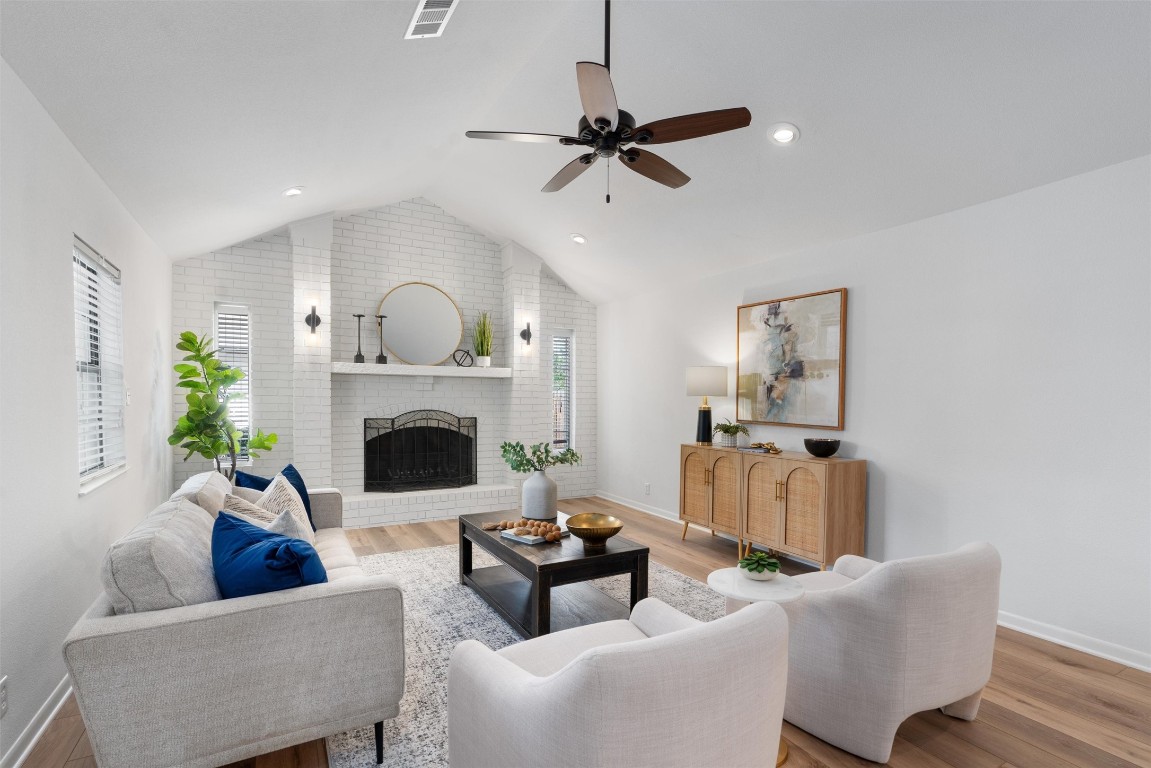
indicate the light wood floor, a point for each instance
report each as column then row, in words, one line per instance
column 1046, row 706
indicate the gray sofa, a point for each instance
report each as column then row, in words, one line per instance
column 210, row 681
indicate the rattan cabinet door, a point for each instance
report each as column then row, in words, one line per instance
column 693, row 486
column 725, row 492
column 761, row 499
column 804, row 496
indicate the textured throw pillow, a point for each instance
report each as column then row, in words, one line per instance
column 286, row 523
column 207, row 490
column 248, row 560
column 281, row 497
column 164, row 562
column 245, row 480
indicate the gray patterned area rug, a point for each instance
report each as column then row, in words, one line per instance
column 439, row 613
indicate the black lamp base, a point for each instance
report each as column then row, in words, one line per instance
column 703, row 427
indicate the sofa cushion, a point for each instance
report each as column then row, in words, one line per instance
column 281, row 497
column 251, row 561
column 247, row 494
column 336, row 552
column 245, row 480
column 206, row 490
column 164, row 562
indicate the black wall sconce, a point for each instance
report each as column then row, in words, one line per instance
column 313, row 320
column 526, row 334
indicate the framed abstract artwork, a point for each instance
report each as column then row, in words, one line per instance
column 791, row 360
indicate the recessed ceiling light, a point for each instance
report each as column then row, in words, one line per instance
column 293, row 191
column 578, row 238
column 783, row 133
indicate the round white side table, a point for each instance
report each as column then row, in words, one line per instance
column 741, row 591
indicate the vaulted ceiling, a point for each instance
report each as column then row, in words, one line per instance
column 199, row 114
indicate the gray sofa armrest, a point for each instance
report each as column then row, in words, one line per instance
column 192, row 685
column 327, row 507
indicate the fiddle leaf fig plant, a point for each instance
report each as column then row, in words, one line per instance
column 206, row 429
column 540, row 458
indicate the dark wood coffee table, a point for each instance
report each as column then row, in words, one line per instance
column 537, row 588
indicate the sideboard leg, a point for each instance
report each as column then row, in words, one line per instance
column 684, row 536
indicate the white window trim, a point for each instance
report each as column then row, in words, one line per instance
column 572, row 342
column 237, row 308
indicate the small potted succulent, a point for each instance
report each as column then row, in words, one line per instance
column 728, row 433
column 759, row 566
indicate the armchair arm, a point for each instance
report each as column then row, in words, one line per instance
column 327, row 507
column 853, row 566
column 654, row 617
column 228, row 672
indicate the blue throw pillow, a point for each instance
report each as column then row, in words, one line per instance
column 251, row 561
column 290, row 473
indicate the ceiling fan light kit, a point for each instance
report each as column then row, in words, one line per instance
column 606, row 130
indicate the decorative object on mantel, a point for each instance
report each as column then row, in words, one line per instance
column 706, row 381
column 539, row 491
column 758, row 566
column 359, row 358
column 206, row 428
column 595, row 529
column 463, row 359
column 821, row 447
column 381, row 359
column 791, row 355
column 482, row 340
column 728, row 433
column 426, row 325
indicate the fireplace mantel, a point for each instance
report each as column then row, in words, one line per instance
column 372, row 369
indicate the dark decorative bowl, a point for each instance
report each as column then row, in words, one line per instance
column 822, row 447
column 594, row 528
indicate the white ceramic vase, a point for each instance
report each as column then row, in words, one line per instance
column 484, row 361
column 765, row 576
column 539, row 497
column 725, row 441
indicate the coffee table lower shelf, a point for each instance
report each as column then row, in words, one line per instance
column 572, row 605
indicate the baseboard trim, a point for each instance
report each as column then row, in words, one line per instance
column 656, row 511
column 26, row 742
column 1078, row 641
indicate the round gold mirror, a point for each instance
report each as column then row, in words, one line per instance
column 423, row 326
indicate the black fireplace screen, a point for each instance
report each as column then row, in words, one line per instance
column 419, row 450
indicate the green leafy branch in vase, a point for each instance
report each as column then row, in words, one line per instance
column 540, row 458
column 206, row 428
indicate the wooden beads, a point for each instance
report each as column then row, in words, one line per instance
column 523, row 527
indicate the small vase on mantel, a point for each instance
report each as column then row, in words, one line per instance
column 539, row 497
column 483, row 361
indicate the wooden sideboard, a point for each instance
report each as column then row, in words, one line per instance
column 793, row 503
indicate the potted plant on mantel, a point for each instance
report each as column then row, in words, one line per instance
column 206, row 429
column 482, row 340
column 539, row 492
column 728, row 433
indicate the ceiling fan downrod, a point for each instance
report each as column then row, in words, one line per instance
column 607, row 34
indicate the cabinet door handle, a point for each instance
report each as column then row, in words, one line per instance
column 779, row 490
column 707, row 477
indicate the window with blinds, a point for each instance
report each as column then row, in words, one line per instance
column 561, row 392
column 233, row 347
column 98, row 303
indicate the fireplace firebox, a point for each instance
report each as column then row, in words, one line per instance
column 419, row 450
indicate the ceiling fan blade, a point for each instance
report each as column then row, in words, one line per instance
column 537, row 138
column 654, row 167
column 597, row 94
column 692, row 126
column 570, row 171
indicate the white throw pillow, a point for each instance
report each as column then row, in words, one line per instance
column 281, row 496
column 285, row 523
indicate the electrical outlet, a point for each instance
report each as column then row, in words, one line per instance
column 647, row 489
column 3, row 695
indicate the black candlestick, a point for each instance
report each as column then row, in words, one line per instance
column 359, row 354
column 381, row 358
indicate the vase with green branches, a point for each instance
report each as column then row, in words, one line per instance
column 539, row 493
column 206, row 429
column 482, row 340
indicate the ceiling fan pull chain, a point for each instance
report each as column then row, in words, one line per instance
column 608, row 195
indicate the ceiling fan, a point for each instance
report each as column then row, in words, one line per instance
column 607, row 130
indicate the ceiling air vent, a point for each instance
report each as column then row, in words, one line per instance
column 430, row 18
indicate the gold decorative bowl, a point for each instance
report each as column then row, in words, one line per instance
column 594, row 528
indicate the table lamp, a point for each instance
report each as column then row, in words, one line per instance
column 706, row 381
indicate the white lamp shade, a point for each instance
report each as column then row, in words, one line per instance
column 707, row 381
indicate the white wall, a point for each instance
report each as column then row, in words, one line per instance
column 51, row 539
column 997, row 384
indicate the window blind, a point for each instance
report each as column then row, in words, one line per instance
column 233, row 347
column 561, row 391
column 99, row 329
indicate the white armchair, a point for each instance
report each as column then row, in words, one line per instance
column 874, row 643
column 660, row 689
